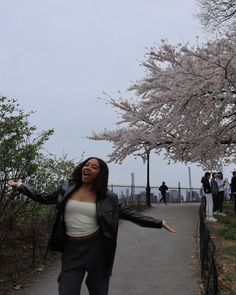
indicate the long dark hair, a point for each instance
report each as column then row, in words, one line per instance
column 100, row 183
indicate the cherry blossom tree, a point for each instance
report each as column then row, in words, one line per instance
column 217, row 14
column 186, row 105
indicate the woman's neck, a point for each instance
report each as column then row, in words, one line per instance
column 86, row 187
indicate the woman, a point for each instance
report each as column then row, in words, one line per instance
column 91, row 214
column 221, row 192
column 215, row 193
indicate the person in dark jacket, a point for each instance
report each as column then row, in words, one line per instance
column 208, row 195
column 163, row 188
column 91, row 215
column 233, row 189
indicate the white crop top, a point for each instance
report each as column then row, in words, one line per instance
column 80, row 218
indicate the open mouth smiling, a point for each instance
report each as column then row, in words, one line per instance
column 85, row 173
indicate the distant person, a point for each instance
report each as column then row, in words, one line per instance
column 233, row 189
column 215, row 195
column 221, row 192
column 208, row 195
column 163, row 188
column 91, row 216
column 227, row 190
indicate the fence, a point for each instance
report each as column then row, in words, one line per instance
column 209, row 272
column 131, row 194
column 21, row 250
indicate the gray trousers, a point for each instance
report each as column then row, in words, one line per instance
column 80, row 258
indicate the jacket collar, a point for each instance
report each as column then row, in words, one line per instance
column 66, row 190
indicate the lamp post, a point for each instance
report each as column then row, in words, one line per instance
column 148, row 198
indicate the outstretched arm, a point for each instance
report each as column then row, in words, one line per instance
column 143, row 220
column 44, row 198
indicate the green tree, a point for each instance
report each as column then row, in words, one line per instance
column 51, row 171
column 19, row 150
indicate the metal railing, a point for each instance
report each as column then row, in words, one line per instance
column 209, row 273
column 21, row 251
column 132, row 194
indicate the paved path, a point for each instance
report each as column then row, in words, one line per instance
column 148, row 261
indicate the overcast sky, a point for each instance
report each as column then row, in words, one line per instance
column 58, row 56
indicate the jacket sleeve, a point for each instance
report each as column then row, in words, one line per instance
column 138, row 218
column 43, row 198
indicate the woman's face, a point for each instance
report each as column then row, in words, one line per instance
column 90, row 171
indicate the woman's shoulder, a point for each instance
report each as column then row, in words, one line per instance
column 112, row 198
column 66, row 185
column 67, row 182
column 111, row 195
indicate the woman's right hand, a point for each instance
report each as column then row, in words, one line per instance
column 167, row 227
column 14, row 183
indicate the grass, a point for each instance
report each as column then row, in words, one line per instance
column 224, row 236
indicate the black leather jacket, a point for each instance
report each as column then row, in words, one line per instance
column 206, row 185
column 109, row 211
column 233, row 185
